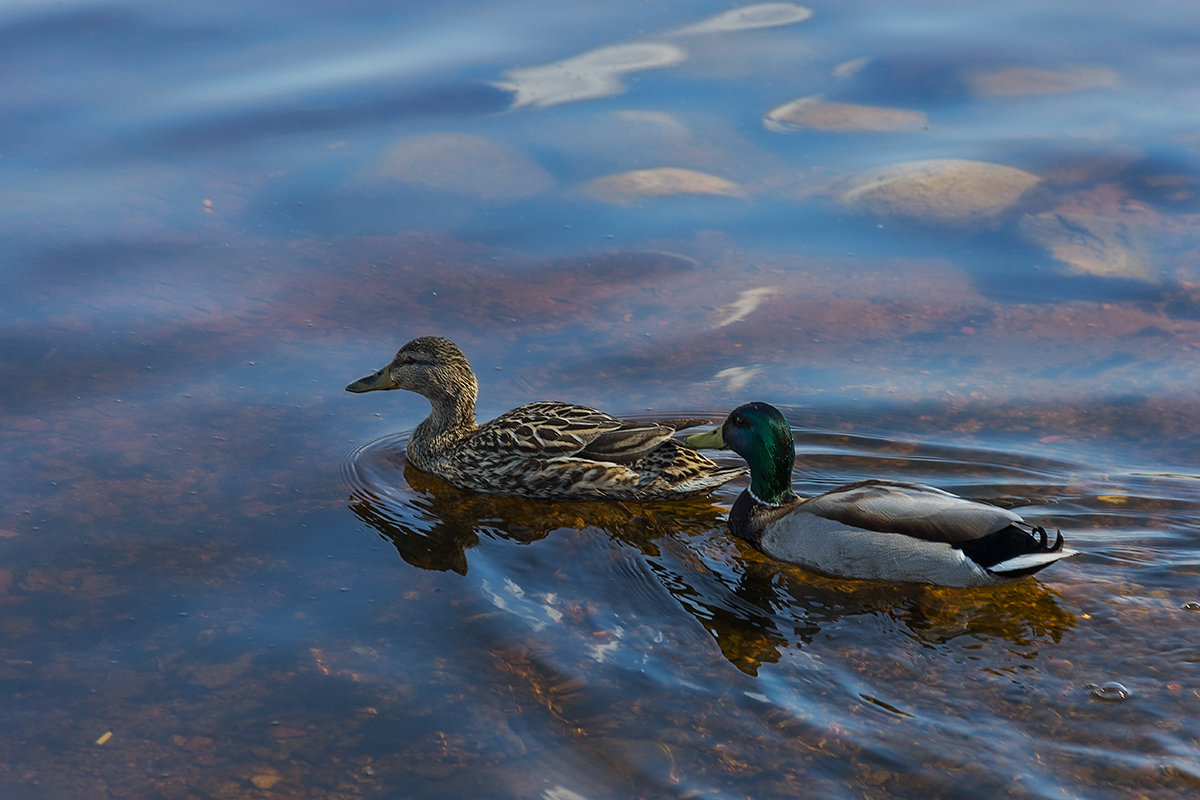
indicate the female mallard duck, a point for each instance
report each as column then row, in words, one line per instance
column 547, row 449
column 878, row 530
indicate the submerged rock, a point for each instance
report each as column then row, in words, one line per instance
column 1034, row 81
column 1090, row 244
column 463, row 164
column 816, row 113
column 942, row 193
column 626, row 187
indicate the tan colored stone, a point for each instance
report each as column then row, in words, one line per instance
column 1034, row 81
column 265, row 780
column 815, row 113
column 945, row 193
column 626, row 187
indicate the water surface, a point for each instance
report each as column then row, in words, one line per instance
column 220, row 578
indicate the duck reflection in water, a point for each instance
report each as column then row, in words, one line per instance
column 435, row 524
column 754, row 607
column 767, row 608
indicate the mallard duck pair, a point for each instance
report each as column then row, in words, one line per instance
column 881, row 530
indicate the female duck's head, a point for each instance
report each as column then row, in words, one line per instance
column 758, row 433
column 431, row 366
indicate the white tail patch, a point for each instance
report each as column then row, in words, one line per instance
column 1030, row 560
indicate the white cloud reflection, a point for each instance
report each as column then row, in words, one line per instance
column 598, row 73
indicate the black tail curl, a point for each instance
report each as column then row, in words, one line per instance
column 1018, row 539
column 1044, row 541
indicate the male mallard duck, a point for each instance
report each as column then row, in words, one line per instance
column 546, row 449
column 874, row 529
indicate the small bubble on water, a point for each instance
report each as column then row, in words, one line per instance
column 1111, row 691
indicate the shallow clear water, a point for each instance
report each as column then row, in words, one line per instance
column 219, row 578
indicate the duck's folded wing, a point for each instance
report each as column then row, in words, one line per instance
column 637, row 439
column 628, row 443
column 911, row 509
column 551, row 429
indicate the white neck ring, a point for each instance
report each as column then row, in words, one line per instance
column 760, row 501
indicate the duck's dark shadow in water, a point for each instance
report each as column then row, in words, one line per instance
column 753, row 607
column 432, row 524
column 436, row 524
column 769, row 607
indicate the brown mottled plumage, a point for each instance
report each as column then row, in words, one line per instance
column 545, row 449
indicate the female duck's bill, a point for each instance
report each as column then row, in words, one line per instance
column 376, row 381
column 873, row 529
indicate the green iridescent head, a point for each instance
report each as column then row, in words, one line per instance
column 758, row 433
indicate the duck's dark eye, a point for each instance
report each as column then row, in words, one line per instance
column 739, row 421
